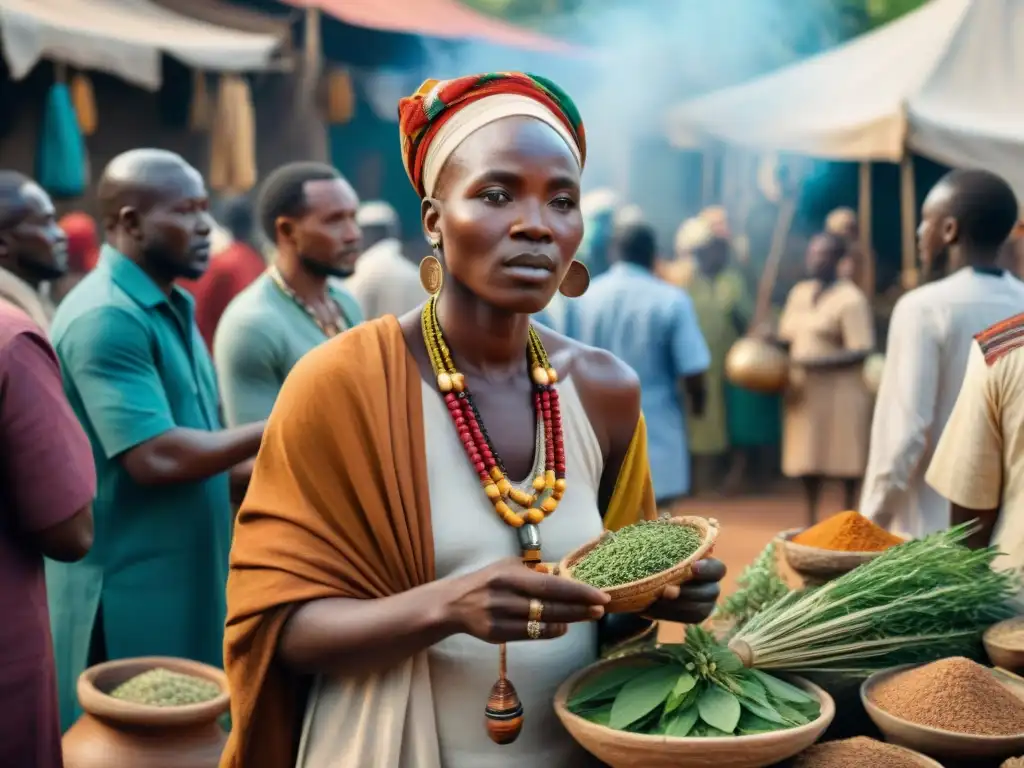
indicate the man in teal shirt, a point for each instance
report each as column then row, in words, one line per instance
column 308, row 210
column 141, row 382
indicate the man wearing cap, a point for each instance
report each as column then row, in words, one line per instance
column 385, row 281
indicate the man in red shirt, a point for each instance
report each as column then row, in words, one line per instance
column 46, row 493
column 231, row 270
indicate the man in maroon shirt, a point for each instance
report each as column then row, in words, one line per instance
column 47, row 484
column 231, row 270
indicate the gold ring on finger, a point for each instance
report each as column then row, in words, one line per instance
column 536, row 610
column 533, row 629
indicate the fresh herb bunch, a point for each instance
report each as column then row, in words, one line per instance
column 696, row 689
column 920, row 601
column 760, row 586
column 636, row 552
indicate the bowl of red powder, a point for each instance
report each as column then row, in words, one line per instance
column 835, row 546
column 950, row 709
column 1004, row 643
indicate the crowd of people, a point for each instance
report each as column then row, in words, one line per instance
column 324, row 469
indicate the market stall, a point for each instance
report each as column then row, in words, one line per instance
column 935, row 82
column 125, row 38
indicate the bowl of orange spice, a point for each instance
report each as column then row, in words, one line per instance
column 835, row 546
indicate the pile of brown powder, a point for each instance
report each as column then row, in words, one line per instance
column 854, row 753
column 954, row 694
column 1013, row 762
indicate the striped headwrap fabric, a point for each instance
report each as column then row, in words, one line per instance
column 424, row 115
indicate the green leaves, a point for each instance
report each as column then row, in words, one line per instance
column 694, row 690
column 719, row 708
column 780, row 689
column 681, row 723
column 640, row 696
column 603, row 686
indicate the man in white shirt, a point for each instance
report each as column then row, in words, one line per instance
column 385, row 281
column 966, row 218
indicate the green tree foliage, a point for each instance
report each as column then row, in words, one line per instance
column 883, row 11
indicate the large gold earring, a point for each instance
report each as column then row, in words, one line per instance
column 431, row 274
column 576, row 280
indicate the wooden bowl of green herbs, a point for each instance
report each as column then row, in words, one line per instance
column 634, row 713
column 635, row 564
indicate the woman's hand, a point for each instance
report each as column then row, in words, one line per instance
column 493, row 604
column 693, row 601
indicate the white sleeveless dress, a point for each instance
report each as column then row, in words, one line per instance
column 429, row 711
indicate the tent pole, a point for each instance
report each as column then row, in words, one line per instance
column 908, row 219
column 864, row 222
column 780, row 238
column 312, row 66
column 708, row 167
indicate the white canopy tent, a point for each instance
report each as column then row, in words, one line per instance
column 970, row 112
column 124, row 38
column 848, row 103
column 944, row 81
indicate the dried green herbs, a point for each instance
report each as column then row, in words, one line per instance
column 760, row 586
column 163, row 688
column 697, row 689
column 636, row 552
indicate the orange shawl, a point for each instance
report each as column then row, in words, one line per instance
column 338, row 506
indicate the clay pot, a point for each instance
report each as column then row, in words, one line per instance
column 757, row 365
column 121, row 733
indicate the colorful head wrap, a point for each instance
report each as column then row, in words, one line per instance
column 83, row 241
column 443, row 113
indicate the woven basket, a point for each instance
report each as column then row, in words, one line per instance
column 638, row 596
column 620, row 749
column 817, row 566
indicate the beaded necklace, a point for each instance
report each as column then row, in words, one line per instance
column 339, row 322
column 516, row 506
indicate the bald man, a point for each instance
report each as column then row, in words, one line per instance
column 141, row 382
column 33, row 248
column 965, row 220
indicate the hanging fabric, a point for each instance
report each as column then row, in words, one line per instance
column 341, row 97
column 233, row 138
column 61, row 159
column 199, row 113
column 84, row 100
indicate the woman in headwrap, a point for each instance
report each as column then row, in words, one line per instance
column 379, row 554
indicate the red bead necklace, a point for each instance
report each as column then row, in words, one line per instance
column 519, row 508
column 515, row 506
